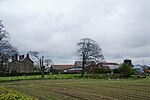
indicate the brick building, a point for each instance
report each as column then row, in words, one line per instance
column 21, row 65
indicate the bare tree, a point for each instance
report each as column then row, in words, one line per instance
column 3, row 32
column 6, row 49
column 48, row 62
column 89, row 50
column 41, row 61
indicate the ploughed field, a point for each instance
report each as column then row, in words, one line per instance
column 83, row 89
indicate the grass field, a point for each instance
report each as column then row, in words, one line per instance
column 36, row 77
column 60, row 76
column 83, row 89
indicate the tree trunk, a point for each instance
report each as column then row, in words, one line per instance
column 83, row 66
column 42, row 72
column 42, row 68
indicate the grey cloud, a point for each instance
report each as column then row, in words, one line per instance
column 121, row 27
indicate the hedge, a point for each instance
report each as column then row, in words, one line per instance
column 21, row 74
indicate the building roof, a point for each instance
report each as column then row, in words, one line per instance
column 62, row 66
column 137, row 67
column 145, row 66
column 79, row 63
column 23, row 59
column 108, row 63
column 111, row 65
column 75, row 69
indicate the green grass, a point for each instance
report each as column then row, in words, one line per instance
column 83, row 89
column 36, row 77
column 65, row 76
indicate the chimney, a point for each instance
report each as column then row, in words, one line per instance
column 16, row 57
column 27, row 55
column 13, row 58
column 22, row 56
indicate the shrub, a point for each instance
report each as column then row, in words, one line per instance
column 126, row 70
column 7, row 94
column 116, row 70
column 102, row 70
column 97, row 76
column 21, row 74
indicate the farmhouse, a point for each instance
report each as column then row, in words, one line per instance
column 138, row 68
column 109, row 65
column 90, row 66
column 21, row 65
column 74, row 70
column 88, row 63
column 60, row 68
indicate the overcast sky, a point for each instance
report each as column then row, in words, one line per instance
column 53, row 27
